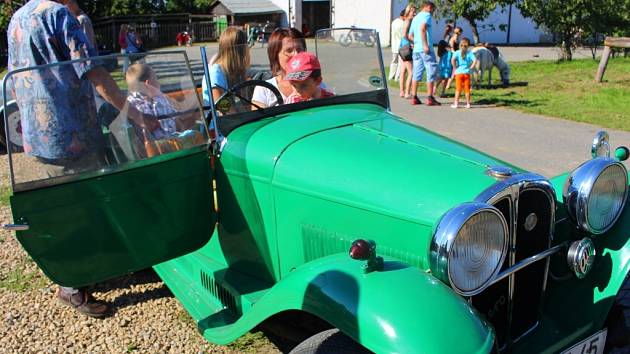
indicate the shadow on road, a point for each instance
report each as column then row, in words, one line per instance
column 133, row 296
column 501, row 86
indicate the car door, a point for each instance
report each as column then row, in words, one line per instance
column 140, row 199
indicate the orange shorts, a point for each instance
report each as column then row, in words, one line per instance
column 462, row 83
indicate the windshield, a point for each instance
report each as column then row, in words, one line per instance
column 338, row 65
column 62, row 126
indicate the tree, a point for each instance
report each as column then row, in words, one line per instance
column 7, row 8
column 472, row 11
column 102, row 8
column 573, row 19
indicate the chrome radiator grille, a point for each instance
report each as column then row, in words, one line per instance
column 513, row 305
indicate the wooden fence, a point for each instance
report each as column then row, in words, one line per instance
column 158, row 31
column 155, row 30
column 609, row 44
column 3, row 50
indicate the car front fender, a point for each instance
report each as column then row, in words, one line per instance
column 400, row 309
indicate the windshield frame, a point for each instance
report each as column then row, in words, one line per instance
column 24, row 186
column 224, row 125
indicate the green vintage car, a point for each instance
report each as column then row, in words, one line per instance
column 340, row 219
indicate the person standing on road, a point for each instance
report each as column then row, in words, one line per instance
column 122, row 42
column 453, row 41
column 60, row 128
column 134, row 43
column 463, row 63
column 405, row 52
column 396, row 30
column 423, row 54
column 84, row 21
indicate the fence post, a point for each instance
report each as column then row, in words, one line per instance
column 602, row 65
column 609, row 43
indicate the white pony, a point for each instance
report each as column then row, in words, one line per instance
column 486, row 60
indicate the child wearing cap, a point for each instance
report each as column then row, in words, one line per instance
column 305, row 75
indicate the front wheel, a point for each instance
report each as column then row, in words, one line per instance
column 370, row 41
column 618, row 339
column 345, row 40
column 331, row 341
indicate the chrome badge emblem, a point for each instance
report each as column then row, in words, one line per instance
column 581, row 257
column 530, row 222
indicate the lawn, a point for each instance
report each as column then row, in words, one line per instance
column 565, row 90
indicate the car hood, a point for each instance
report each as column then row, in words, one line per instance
column 385, row 165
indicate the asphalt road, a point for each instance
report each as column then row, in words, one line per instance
column 548, row 146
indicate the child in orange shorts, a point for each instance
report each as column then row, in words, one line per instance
column 463, row 62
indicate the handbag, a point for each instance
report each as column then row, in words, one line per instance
column 405, row 52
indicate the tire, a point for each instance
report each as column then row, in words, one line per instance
column 15, row 128
column 370, row 42
column 331, row 341
column 345, row 40
column 618, row 339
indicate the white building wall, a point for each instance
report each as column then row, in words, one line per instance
column 378, row 14
column 365, row 14
column 523, row 30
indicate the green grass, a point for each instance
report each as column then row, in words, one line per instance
column 5, row 193
column 251, row 342
column 22, row 277
column 3, row 71
column 132, row 348
column 563, row 89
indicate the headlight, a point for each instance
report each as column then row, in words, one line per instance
column 595, row 194
column 469, row 247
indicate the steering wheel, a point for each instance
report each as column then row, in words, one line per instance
column 234, row 90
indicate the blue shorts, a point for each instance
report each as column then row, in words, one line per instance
column 446, row 73
column 422, row 62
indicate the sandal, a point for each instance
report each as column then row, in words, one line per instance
column 83, row 302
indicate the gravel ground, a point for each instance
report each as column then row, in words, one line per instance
column 147, row 318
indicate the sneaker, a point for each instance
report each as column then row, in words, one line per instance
column 454, row 106
column 431, row 101
column 467, row 105
column 415, row 100
column 83, row 302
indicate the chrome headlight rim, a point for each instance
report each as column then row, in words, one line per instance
column 444, row 238
column 578, row 187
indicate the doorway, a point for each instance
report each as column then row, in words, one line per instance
column 315, row 16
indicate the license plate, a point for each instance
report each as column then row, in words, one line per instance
column 591, row 345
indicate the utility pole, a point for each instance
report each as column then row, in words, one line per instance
column 509, row 29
